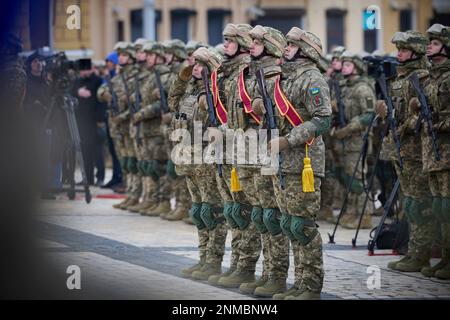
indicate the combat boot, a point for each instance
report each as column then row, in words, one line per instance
column 271, row 287
column 146, row 206
column 131, row 203
column 120, row 204
column 443, row 273
column 163, row 206
column 249, row 287
column 206, row 271
column 178, row 214
column 215, row 278
column 236, row 279
column 304, row 294
column 137, row 207
column 187, row 273
column 393, row 264
column 430, row 271
column 325, row 213
column 282, row 296
column 415, row 264
column 166, row 215
column 188, row 220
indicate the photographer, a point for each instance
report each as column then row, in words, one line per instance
column 90, row 117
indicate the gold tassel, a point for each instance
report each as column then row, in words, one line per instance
column 235, row 184
column 307, row 174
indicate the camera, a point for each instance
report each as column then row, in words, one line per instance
column 60, row 69
column 377, row 65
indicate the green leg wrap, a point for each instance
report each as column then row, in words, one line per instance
column 303, row 229
column 285, row 224
column 124, row 165
column 271, row 219
column 207, row 216
column 196, row 216
column 257, row 219
column 241, row 221
column 445, row 210
column 132, row 165
column 228, row 214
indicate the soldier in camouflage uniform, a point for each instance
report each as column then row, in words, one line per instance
column 236, row 58
column 140, row 78
column 300, row 137
column 411, row 47
column 439, row 171
column 120, row 124
column 358, row 96
column 331, row 194
column 207, row 207
column 149, row 117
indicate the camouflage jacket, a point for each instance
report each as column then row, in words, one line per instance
column 402, row 91
column 150, row 113
column 306, row 88
column 358, row 97
column 438, row 91
column 141, row 77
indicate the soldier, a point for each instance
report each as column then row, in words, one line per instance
column 438, row 52
column 140, row 78
column 207, row 208
column 307, row 112
column 411, row 47
column 119, row 124
column 236, row 58
column 358, row 96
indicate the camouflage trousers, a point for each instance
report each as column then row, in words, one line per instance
column 417, row 206
column 440, row 189
column 328, row 183
column 293, row 202
column 134, row 183
column 223, row 185
column 355, row 199
column 203, row 189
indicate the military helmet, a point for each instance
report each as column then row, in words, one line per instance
column 193, row 45
column 240, row 32
column 177, row 47
column 125, row 47
column 356, row 59
column 337, row 52
column 207, row 57
column 273, row 39
column 441, row 33
column 309, row 43
column 154, row 47
column 412, row 40
column 139, row 43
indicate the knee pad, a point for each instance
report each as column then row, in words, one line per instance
column 240, row 219
column 141, row 167
column 151, row 167
column 356, row 186
column 257, row 219
column 132, row 165
column 407, row 207
column 170, row 169
column 445, row 209
column 159, row 168
column 271, row 219
column 124, row 165
column 195, row 215
column 416, row 212
column 436, row 208
column 285, row 224
column 207, row 216
column 227, row 212
column 303, row 229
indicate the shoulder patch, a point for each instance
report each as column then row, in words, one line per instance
column 314, row 91
column 316, row 96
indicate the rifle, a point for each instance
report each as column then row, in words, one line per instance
column 114, row 99
column 136, row 108
column 164, row 106
column 211, row 112
column 272, row 125
column 425, row 114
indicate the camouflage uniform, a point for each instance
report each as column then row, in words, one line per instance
column 413, row 181
column 306, row 88
column 358, row 97
column 438, row 91
column 155, row 155
column 206, row 210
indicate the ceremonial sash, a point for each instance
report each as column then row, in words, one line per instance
column 286, row 108
column 245, row 98
column 221, row 112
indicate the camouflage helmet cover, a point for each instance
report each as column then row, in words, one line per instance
column 439, row 32
column 207, row 57
column 309, row 43
column 272, row 39
column 154, row 47
column 125, row 47
column 337, row 52
column 412, row 40
column 240, row 32
column 177, row 47
column 355, row 59
column 193, row 45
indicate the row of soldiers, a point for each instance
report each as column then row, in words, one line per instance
column 264, row 79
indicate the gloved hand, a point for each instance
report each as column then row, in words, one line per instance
column 258, row 107
column 185, row 73
column 202, row 102
column 137, row 117
column 414, row 105
column 381, row 108
column 282, row 143
column 155, row 94
column 166, row 118
column 343, row 133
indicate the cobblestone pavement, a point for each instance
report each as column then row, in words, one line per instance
column 141, row 257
